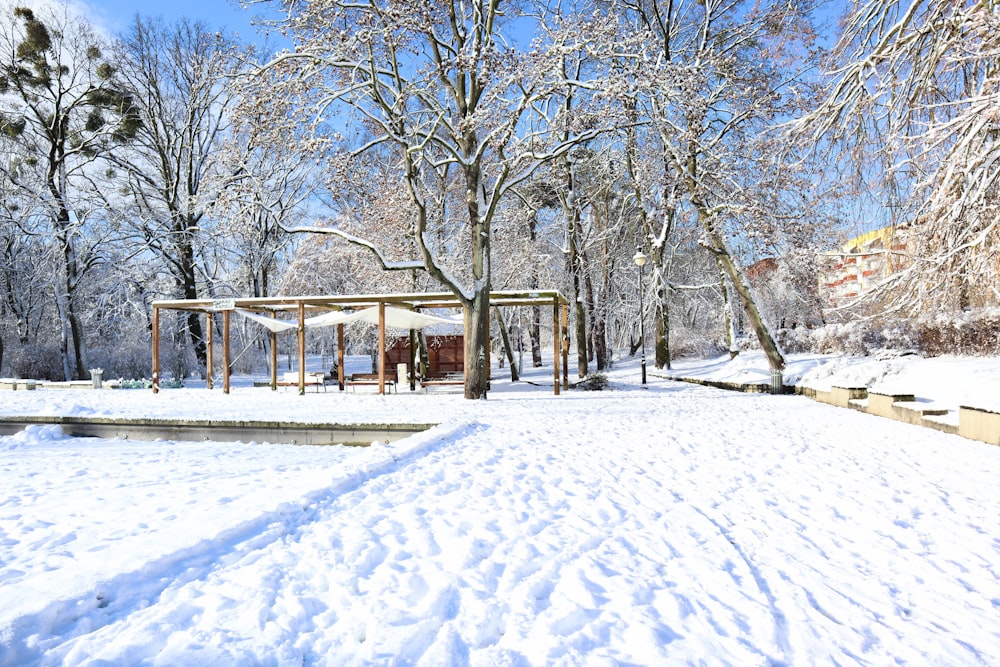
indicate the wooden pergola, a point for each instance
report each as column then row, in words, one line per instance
column 301, row 306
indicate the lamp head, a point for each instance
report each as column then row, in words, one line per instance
column 639, row 258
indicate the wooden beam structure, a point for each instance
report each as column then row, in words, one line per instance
column 156, row 350
column 340, row 356
column 302, row 348
column 226, row 351
column 299, row 307
column 412, row 361
column 381, row 348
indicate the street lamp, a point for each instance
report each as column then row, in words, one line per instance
column 640, row 260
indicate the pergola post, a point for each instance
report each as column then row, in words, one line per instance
column 274, row 360
column 225, row 350
column 340, row 356
column 465, row 332
column 209, row 361
column 555, row 346
column 412, row 369
column 156, row 350
column 302, row 348
column 381, row 347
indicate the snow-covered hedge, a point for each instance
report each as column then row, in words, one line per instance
column 975, row 333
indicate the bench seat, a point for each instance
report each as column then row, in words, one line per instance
column 291, row 379
column 370, row 379
column 451, row 379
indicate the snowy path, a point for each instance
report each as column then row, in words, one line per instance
column 663, row 527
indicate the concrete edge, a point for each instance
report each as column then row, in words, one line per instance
column 296, row 433
column 980, row 424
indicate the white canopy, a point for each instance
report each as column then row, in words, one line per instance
column 328, row 319
column 271, row 323
column 396, row 318
column 403, row 318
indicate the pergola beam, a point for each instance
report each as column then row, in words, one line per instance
column 414, row 300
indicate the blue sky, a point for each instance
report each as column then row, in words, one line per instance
column 116, row 15
column 227, row 15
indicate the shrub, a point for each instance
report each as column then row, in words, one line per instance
column 972, row 333
column 126, row 359
column 593, row 382
column 976, row 334
column 37, row 362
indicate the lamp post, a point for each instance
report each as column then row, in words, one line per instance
column 640, row 261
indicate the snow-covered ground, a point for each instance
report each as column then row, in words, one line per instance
column 947, row 382
column 672, row 524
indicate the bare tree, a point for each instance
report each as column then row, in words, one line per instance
column 916, row 83
column 535, row 195
column 269, row 189
column 179, row 77
column 60, row 110
column 23, row 301
column 712, row 79
column 437, row 83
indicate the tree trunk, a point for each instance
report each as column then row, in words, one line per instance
column 72, row 344
column 718, row 247
column 535, row 325
column 79, row 346
column 727, row 312
column 477, row 337
column 508, row 349
column 767, row 343
column 662, row 260
column 189, row 288
column 663, row 332
column 634, row 344
column 576, row 268
column 598, row 345
column 63, row 337
column 601, row 343
column 423, row 357
column 477, row 310
column 604, row 353
column 572, row 208
column 535, row 334
column 661, row 349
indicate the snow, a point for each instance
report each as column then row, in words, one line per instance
column 672, row 524
column 946, row 382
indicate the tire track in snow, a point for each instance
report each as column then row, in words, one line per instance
column 93, row 610
column 778, row 617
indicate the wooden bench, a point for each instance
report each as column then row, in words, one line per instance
column 444, row 380
column 370, row 379
column 291, row 379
